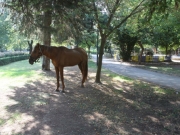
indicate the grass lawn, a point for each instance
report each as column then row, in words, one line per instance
column 120, row 105
column 170, row 68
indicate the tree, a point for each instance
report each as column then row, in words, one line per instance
column 4, row 32
column 88, row 34
column 37, row 14
column 161, row 7
column 116, row 13
column 108, row 47
column 88, row 40
column 126, row 43
column 164, row 30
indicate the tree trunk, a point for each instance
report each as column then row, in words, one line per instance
column 89, row 53
column 47, row 33
column 142, row 50
column 166, row 50
column 156, row 50
column 101, row 51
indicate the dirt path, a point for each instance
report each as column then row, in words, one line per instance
column 141, row 74
column 35, row 108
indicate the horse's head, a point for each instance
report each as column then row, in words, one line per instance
column 35, row 54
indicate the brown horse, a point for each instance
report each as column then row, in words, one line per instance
column 62, row 57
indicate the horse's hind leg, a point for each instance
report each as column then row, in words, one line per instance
column 62, row 78
column 82, row 71
column 57, row 77
column 83, row 80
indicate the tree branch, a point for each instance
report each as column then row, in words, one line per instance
column 116, row 5
column 134, row 11
column 97, row 17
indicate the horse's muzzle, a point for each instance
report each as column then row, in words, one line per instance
column 31, row 61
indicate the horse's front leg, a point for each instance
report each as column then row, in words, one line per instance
column 57, row 77
column 62, row 78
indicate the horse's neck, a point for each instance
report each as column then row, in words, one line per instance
column 46, row 51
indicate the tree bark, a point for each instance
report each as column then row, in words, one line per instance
column 101, row 51
column 89, row 53
column 142, row 50
column 47, row 33
column 166, row 50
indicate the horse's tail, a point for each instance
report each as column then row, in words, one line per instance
column 86, row 70
column 84, row 64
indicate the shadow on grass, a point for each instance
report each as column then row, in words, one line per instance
column 43, row 111
column 117, row 108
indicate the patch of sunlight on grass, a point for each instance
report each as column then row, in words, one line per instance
column 118, row 90
column 18, row 73
column 2, row 122
column 116, row 77
column 104, row 83
column 142, row 85
column 159, row 90
column 120, row 78
column 165, row 68
column 22, row 68
column 41, row 100
column 15, row 116
column 108, row 73
column 154, row 67
column 96, row 117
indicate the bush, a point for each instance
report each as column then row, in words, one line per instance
column 12, row 58
column 10, row 54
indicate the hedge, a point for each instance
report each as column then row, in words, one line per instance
column 11, row 54
column 7, row 60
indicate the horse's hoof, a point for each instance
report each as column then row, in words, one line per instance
column 62, row 91
column 57, row 90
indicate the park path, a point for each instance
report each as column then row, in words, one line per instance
column 141, row 74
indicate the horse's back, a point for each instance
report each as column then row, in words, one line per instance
column 75, row 51
column 69, row 57
column 82, row 51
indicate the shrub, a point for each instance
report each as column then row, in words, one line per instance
column 9, row 54
column 13, row 58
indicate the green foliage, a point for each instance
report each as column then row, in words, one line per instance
column 164, row 32
column 161, row 7
column 17, row 42
column 4, row 32
column 88, row 22
column 10, row 38
column 126, row 43
column 65, row 17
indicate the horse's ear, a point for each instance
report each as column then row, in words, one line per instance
column 37, row 44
